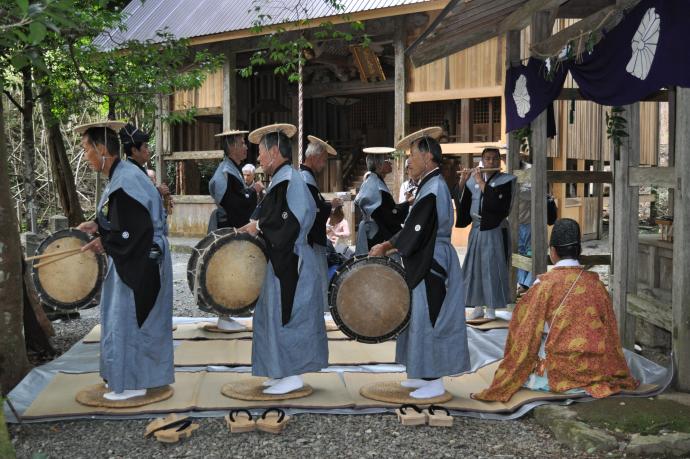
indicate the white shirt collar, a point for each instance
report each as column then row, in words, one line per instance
column 567, row 263
column 432, row 170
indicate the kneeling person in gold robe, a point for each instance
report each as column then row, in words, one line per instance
column 582, row 350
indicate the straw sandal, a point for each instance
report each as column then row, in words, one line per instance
column 173, row 435
column 163, row 423
column 241, row 423
column 273, row 423
column 439, row 416
column 413, row 417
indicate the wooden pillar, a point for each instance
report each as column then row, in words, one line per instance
column 465, row 131
column 681, row 240
column 540, row 29
column 399, row 104
column 672, row 92
column 626, row 203
column 230, row 91
column 163, row 140
column 513, row 159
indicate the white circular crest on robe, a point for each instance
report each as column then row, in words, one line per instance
column 521, row 96
column 644, row 45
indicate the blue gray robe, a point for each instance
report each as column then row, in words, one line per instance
column 317, row 235
column 486, row 265
column 134, row 357
column 435, row 342
column 234, row 208
column 289, row 329
column 381, row 216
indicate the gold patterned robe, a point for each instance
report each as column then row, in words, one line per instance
column 583, row 349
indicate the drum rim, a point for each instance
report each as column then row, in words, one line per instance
column 210, row 250
column 45, row 297
column 196, row 252
column 334, row 286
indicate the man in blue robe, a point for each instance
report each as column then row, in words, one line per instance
column 381, row 216
column 136, row 301
column 289, row 328
column 315, row 160
column 483, row 198
column 435, row 342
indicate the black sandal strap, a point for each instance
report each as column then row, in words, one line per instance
column 238, row 411
column 172, row 425
column 183, row 425
column 404, row 407
column 281, row 413
column 437, row 407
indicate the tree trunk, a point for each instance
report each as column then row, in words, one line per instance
column 28, row 151
column 13, row 360
column 61, row 168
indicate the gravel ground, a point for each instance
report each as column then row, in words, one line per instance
column 307, row 434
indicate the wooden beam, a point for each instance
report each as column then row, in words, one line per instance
column 421, row 7
column 681, row 241
column 653, row 176
column 650, row 310
column 399, row 105
column 348, row 88
column 625, row 237
column 579, row 177
column 578, row 10
column 520, row 18
column 540, row 29
column 523, row 262
column 574, row 94
column 204, row 111
column 605, row 18
column 230, row 91
column 451, row 94
column 163, row 137
column 195, row 155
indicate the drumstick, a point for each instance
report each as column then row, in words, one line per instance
column 53, row 260
column 52, row 254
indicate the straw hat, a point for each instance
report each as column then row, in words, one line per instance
column 257, row 134
column 406, row 142
column 378, row 150
column 113, row 125
column 329, row 148
column 231, row 132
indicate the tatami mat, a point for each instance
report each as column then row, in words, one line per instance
column 461, row 387
column 239, row 353
column 197, row 331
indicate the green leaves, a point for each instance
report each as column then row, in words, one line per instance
column 23, row 6
column 37, row 32
column 616, row 126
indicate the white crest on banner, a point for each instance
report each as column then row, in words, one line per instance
column 521, row 96
column 644, row 45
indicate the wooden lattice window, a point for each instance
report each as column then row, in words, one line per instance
column 369, row 112
column 480, row 111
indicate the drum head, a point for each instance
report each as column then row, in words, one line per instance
column 72, row 282
column 370, row 299
column 231, row 273
column 198, row 249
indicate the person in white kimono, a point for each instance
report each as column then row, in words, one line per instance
column 435, row 342
column 483, row 198
column 315, row 160
column 136, row 300
column 381, row 216
column 289, row 328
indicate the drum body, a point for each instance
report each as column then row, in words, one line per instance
column 193, row 261
column 72, row 282
column 369, row 298
column 230, row 273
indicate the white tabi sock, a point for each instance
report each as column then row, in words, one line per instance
column 490, row 313
column 285, row 385
column 431, row 389
column 226, row 323
column 125, row 394
column 477, row 313
column 270, row 382
column 413, row 383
